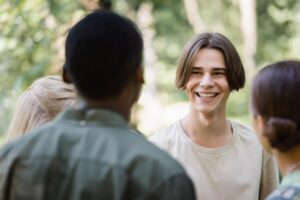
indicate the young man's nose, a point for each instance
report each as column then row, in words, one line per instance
column 206, row 81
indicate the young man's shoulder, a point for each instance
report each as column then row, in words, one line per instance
column 136, row 157
column 25, row 142
column 157, row 156
column 165, row 135
column 244, row 132
column 51, row 138
column 242, row 128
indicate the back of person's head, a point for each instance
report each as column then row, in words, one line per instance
column 40, row 103
column 235, row 73
column 275, row 97
column 103, row 52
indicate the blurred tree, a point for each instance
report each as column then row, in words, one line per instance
column 33, row 32
column 30, row 45
column 249, row 32
column 193, row 15
column 279, row 31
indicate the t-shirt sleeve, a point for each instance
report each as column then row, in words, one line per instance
column 159, row 139
column 270, row 176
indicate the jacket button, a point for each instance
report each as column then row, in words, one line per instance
column 82, row 123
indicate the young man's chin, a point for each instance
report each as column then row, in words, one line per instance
column 205, row 109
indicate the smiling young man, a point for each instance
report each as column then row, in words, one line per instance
column 223, row 157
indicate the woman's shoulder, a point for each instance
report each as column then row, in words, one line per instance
column 286, row 192
column 243, row 129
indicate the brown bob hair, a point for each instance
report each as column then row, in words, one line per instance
column 274, row 96
column 235, row 73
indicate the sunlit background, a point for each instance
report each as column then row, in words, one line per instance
column 33, row 33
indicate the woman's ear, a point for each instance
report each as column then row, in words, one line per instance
column 259, row 124
column 66, row 76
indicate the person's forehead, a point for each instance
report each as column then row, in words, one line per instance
column 209, row 58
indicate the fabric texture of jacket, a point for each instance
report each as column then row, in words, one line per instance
column 89, row 154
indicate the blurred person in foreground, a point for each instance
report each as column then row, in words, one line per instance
column 276, row 116
column 40, row 103
column 223, row 157
column 91, row 152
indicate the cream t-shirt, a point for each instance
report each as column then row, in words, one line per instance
column 240, row 170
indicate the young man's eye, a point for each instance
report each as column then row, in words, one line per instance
column 219, row 73
column 196, row 72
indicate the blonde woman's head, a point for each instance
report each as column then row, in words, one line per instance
column 40, row 103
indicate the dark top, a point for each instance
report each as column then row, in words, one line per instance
column 89, row 154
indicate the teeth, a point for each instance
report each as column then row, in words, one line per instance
column 205, row 95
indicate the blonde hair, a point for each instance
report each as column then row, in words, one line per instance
column 40, row 103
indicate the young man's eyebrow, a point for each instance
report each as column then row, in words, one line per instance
column 214, row 69
column 219, row 69
column 196, row 68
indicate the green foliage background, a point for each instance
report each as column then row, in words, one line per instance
column 32, row 35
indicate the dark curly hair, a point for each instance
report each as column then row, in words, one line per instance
column 103, row 52
column 274, row 96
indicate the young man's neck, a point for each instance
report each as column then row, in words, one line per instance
column 120, row 103
column 208, row 130
column 109, row 105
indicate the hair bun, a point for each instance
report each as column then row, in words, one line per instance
column 282, row 133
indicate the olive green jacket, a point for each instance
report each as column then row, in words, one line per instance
column 89, row 154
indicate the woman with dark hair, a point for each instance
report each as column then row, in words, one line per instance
column 276, row 112
column 223, row 157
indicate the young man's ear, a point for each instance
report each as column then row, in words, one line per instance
column 140, row 75
column 66, row 76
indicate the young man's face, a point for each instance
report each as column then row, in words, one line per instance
column 207, row 87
